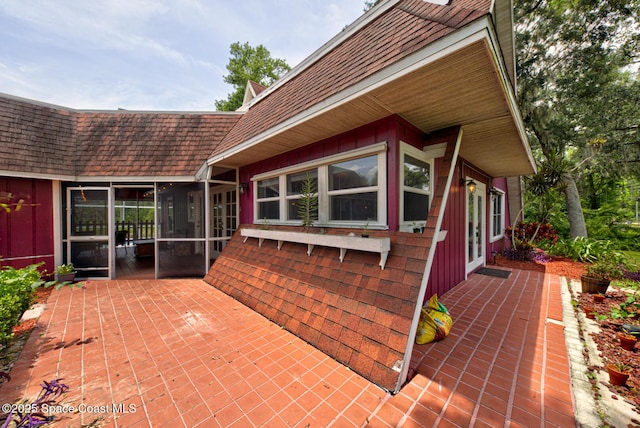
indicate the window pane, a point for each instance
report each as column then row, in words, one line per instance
column 497, row 215
column 359, row 206
column 416, row 206
column 354, row 173
column 269, row 210
column 296, row 181
column 269, row 188
column 416, row 173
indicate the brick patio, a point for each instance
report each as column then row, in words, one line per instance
column 182, row 353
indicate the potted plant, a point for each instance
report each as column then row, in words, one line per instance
column 618, row 373
column 627, row 341
column 599, row 275
column 65, row 273
column 365, row 230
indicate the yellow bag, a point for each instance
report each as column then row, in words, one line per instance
column 435, row 322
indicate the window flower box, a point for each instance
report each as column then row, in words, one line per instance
column 343, row 243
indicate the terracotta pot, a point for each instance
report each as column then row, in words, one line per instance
column 598, row 297
column 590, row 312
column 594, row 285
column 615, row 377
column 627, row 341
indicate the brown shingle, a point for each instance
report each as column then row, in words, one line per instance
column 35, row 137
column 47, row 139
column 352, row 321
column 147, row 144
column 405, row 28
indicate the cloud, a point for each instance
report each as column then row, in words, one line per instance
column 164, row 54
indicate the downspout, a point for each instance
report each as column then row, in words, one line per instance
column 427, row 269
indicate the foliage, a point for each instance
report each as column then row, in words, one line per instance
column 628, row 309
column 11, row 202
column 520, row 254
column 586, row 249
column 368, row 4
column 532, row 233
column 249, row 63
column 30, row 415
column 65, row 269
column 607, row 268
column 16, row 294
column 621, row 367
column 577, row 98
column 525, row 237
column 308, row 201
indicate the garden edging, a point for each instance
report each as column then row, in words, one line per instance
column 578, row 330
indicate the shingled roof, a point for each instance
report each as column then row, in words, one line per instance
column 36, row 138
column 46, row 140
column 402, row 30
column 135, row 144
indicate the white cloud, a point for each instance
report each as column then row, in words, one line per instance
column 151, row 54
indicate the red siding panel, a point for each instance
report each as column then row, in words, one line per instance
column 26, row 235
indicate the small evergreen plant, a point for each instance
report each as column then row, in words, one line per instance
column 308, row 202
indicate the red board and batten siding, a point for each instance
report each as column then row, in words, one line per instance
column 449, row 264
column 26, row 235
column 391, row 130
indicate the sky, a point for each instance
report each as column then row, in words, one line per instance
column 161, row 55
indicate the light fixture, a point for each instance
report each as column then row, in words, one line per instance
column 471, row 186
column 243, row 187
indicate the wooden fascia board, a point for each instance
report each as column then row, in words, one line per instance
column 509, row 90
column 142, row 178
column 429, row 264
column 37, row 176
column 472, row 33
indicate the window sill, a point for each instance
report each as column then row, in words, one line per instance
column 343, row 243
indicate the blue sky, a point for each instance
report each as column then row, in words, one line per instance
column 150, row 54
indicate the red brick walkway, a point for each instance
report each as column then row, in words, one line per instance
column 180, row 353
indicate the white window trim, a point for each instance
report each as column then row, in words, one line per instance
column 426, row 156
column 322, row 166
column 493, row 237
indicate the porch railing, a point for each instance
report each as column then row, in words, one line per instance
column 137, row 230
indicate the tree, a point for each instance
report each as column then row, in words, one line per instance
column 571, row 59
column 369, row 4
column 249, row 63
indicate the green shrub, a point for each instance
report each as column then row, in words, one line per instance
column 16, row 294
column 586, row 250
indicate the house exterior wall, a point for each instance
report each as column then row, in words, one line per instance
column 27, row 234
column 449, row 267
column 391, row 130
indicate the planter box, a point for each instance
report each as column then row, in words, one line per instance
column 343, row 243
column 65, row 277
column 594, row 285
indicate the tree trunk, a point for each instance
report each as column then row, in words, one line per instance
column 577, row 226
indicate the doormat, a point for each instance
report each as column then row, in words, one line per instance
column 494, row 272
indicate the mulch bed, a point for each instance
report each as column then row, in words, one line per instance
column 609, row 344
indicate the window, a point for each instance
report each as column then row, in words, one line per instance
column 295, row 183
column 415, row 183
column 497, row 214
column 351, row 189
column 269, row 199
